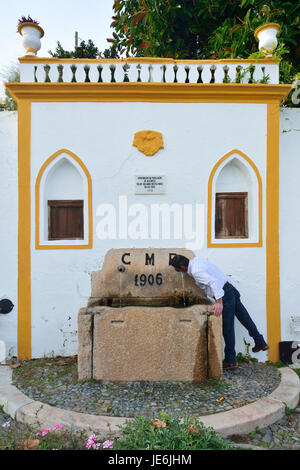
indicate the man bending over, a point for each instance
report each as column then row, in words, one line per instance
column 228, row 304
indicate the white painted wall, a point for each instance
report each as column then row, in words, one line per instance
column 289, row 213
column 195, row 137
column 8, row 226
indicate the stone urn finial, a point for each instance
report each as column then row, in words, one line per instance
column 267, row 37
column 32, row 33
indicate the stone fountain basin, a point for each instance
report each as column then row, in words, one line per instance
column 144, row 343
column 132, row 328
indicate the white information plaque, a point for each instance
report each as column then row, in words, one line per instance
column 150, row 184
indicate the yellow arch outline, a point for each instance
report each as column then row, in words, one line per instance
column 37, row 205
column 210, row 244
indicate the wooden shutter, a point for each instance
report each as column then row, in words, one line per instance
column 231, row 215
column 65, row 220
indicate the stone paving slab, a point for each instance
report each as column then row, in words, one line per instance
column 246, row 418
column 241, row 420
column 10, row 397
column 5, row 374
column 287, row 390
column 40, row 414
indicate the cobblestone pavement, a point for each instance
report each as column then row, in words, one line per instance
column 55, row 383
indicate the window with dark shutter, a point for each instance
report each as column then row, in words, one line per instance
column 231, row 215
column 65, row 220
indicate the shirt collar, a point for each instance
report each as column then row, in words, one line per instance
column 189, row 271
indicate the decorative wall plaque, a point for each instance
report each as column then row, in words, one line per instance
column 148, row 142
column 150, row 184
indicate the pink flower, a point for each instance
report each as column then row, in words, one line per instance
column 57, row 426
column 45, row 431
column 6, row 425
column 91, row 443
column 107, row 445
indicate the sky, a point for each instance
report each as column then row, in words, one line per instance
column 59, row 19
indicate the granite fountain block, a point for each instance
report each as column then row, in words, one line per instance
column 146, row 322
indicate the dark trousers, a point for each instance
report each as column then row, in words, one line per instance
column 232, row 306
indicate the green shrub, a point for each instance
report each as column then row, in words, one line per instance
column 168, row 433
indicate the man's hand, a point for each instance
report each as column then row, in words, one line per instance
column 218, row 307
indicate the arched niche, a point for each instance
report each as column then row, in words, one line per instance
column 63, row 179
column 235, row 178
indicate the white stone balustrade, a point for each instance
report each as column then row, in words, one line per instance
column 43, row 70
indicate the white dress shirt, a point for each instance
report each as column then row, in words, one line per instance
column 207, row 276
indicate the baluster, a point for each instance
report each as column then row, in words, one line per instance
column 60, row 69
column 86, row 68
column 105, row 72
column 73, row 70
column 67, row 73
column 212, row 70
column 193, row 75
column 93, row 73
column 187, row 71
column 200, row 70
column 35, row 70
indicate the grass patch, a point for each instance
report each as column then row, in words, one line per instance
column 35, row 373
column 245, row 358
column 277, row 364
column 219, row 385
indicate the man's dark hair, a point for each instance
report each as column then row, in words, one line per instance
column 179, row 260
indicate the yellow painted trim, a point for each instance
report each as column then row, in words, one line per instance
column 31, row 50
column 266, row 26
column 38, row 246
column 149, row 92
column 242, row 244
column 147, row 60
column 24, row 230
column 272, row 233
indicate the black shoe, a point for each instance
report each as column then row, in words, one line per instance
column 257, row 348
column 228, row 366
